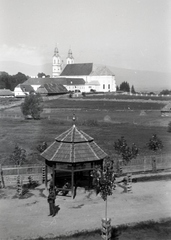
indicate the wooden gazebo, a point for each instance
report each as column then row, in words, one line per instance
column 73, row 152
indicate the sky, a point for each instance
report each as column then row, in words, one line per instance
column 132, row 34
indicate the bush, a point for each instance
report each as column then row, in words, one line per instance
column 32, row 106
column 169, row 127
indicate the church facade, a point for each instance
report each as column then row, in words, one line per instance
column 91, row 77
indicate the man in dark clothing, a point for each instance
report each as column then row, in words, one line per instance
column 51, row 201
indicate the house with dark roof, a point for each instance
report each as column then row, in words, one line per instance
column 51, row 89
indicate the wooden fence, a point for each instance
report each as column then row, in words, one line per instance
column 144, row 164
column 140, row 164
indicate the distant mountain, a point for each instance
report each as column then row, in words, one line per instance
column 142, row 80
column 13, row 68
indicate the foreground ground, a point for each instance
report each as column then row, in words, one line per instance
column 28, row 218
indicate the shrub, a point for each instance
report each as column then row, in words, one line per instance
column 169, row 127
column 32, row 106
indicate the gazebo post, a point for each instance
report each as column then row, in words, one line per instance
column 53, row 172
column 72, row 181
column 46, row 174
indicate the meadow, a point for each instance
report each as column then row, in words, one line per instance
column 105, row 121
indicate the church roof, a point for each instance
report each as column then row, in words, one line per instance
column 102, row 71
column 77, row 69
column 73, row 146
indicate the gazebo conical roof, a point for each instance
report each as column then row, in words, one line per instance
column 73, row 146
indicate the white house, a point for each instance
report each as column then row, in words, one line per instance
column 21, row 90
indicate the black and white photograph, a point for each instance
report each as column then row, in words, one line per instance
column 85, row 119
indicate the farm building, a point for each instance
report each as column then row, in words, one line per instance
column 51, row 89
column 166, row 111
column 21, row 90
column 6, row 93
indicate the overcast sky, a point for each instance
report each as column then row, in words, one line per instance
column 133, row 34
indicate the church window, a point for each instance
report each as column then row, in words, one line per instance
column 103, row 86
column 108, row 86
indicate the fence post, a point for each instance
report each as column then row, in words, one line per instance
column 144, row 163
column 154, row 169
column 2, row 177
column 19, row 186
column 129, row 183
column 43, row 174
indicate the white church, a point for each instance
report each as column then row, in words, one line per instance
column 83, row 77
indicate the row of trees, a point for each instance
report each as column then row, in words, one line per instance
column 11, row 81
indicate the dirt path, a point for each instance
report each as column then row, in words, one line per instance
column 28, row 218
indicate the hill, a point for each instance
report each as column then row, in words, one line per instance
column 142, row 80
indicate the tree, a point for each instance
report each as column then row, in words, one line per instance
column 42, row 147
column 133, row 90
column 40, row 75
column 18, row 157
column 11, row 81
column 103, row 180
column 124, row 151
column 165, row 92
column 154, row 145
column 124, row 86
column 32, row 105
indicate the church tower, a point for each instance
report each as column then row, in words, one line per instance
column 70, row 58
column 57, row 64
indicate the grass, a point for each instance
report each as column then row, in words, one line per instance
column 149, row 230
column 101, row 104
column 128, row 123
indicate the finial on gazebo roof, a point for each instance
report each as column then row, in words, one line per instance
column 73, row 118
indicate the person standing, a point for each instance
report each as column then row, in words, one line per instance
column 51, row 201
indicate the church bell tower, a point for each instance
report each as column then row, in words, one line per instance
column 70, row 58
column 57, row 64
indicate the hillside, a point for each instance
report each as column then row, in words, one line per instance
column 142, row 80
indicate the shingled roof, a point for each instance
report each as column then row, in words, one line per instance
column 77, row 69
column 52, row 88
column 73, row 146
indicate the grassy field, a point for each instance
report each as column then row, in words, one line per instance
column 105, row 121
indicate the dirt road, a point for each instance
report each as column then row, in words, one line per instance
column 28, row 218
